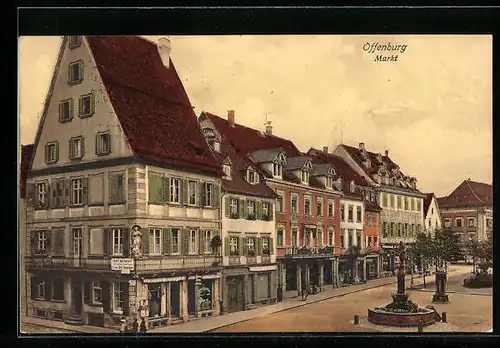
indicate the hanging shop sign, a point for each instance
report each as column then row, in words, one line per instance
column 123, row 265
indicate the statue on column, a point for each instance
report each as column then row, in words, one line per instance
column 136, row 241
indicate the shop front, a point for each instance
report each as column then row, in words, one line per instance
column 372, row 267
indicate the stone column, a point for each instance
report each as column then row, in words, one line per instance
column 168, row 289
column 254, row 293
column 163, row 303
column 299, row 278
column 245, row 291
column 379, row 265
column 216, row 295
column 184, row 300
column 321, row 274
column 364, row 269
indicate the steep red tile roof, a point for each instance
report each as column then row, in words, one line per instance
column 151, row 103
column 468, row 194
column 26, row 154
column 247, row 140
column 372, row 206
column 427, row 202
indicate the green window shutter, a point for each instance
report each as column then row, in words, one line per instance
column 146, row 234
column 259, row 246
column 227, row 205
column 184, row 192
column 241, row 208
column 60, row 113
column 244, row 204
column 258, row 210
column 71, row 148
column 85, row 190
column 271, row 246
column 151, row 187
column 47, row 153
column 59, row 242
column 124, row 286
column 126, row 241
column 83, row 146
column 185, row 241
column 53, row 195
column 71, row 108
column 80, row 106
column 107, row 241
column 92, row 103
column 166, row 189
column 167, row 246
column 80, row 70
column 201, row 196
column 106, row 296
column 215, row 195
column 227, row 247
column 48, row 248
column 244, row 246
column 57, row 151
column 270, row 210
column 201, row 241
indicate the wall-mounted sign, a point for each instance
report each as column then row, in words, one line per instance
column 122, row 265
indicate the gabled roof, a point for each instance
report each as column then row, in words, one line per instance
column 320, row 169
column 247, row 140
column 26, row 155
column 265, row 155
column 372, row 206
column 427, row 202
column 151, row 103
column 359, row 157
column 468, row 194
column 298, row 162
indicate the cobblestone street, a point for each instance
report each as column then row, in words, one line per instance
column 466, row 312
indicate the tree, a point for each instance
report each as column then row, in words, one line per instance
column 422, row 250
column 446, row 247
column 354, row 251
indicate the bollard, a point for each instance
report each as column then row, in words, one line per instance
column 356, row 319
column 443, row 317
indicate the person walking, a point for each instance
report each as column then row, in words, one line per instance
column 135, row 326
column 142, row 327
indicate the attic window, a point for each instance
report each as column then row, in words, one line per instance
column 352, row 187
column 75, row 41
column 305, row 177
column 75, row 72
column 329, row 182
column 277, row 170
column 227, row 171
column 252, row 176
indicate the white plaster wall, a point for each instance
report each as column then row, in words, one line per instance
column 433, row 217
column 104, row 118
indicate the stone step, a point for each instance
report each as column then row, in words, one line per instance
column 74, row 319
column 176, row 320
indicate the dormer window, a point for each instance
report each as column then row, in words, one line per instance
column 227, row 171
column 216, row 146
column 329, row 182
column 75, row 41
column 352, row 187
column 277, row 170
column 305, row 177
column 252, row 176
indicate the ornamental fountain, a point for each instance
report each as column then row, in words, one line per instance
column 401, row 311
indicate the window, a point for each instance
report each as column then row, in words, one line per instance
column 406, row 230
column 399, row 201
column 295, row 198
column 384, row 199
column 76, row 148
column 399, row 229
column 277, row 170
column 96, row 292
column 252, row 177
column 175, row 185
column 329, row 182
column 117, row 241
column 41, row 195
column 406, row 203
column 447, row 222
column 66, row 110
column 412, row 230
column 233, row 207
column 330, row 209
column 320, row 206
column 192, row 189
column 208, row 194
column 265, row 211
column 208, row 239
column 471, row 222
column 175, row 241
column 52, row 152
column 156, row 191
column 294, row 236
column 265, row 246
column 116, row 187
column 117, row 297
column 330, row 237
column 96, row 241
column 76, row 191
column 279, row 203
column 350, row 216
column 74, row 41
column 342, row 215
column 193, row 247
column 342, row 240
column 384, row 229
column 307, row 206
column 279, row 237
column 155, row 241
column 86, row 105
column 251, row 246
column 349, row 238
column 412, row 204
column 233, row 246
column 58, row 289
column 375, row 241
column 251, row 208
column 458, row 222
column 392, row 229
column 305, row 177
column 429, row 223
column 418, row 204
column 41, row 242
column 392, row 200
column 369, row 241
column 358, row 214
column 103, row 143
column 432, row 211
column 227, row 171
column 75, row 74
column 41, row 290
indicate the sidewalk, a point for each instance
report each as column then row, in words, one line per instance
column 59, row 325
column 209, row 324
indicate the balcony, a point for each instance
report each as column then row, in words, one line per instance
column 176, row 263
column 42, row 262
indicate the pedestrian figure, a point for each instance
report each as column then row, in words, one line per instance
column 143, row 326
column 135, row 326
column 123, row 326
column 305, row 292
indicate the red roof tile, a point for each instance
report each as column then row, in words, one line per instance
column 372, row 206
column 468, row 194
column 26, row 154
column 151, row 103
column 247, row 140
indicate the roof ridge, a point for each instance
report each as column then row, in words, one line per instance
column 472, row 190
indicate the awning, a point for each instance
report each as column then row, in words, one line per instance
column 262, row 268
column 209, row 276
column 163, row 280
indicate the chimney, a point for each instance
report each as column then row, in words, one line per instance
column 361, row 146
column 164, row 51
column 230, row 117
column 325, row 149
column 269, row 128
column 386, row 153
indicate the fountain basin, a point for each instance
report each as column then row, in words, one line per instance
column 380, row 316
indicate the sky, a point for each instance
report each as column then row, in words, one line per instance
column 431, row 108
